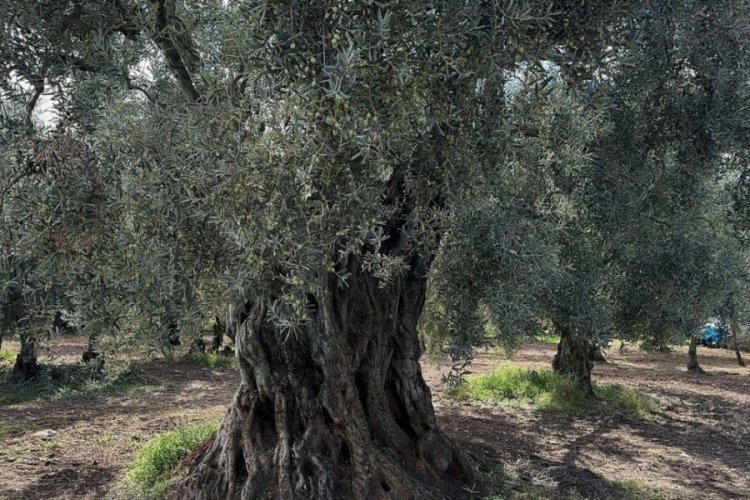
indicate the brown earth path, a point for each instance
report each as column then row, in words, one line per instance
column 696, row 445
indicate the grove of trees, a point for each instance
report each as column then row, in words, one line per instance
column 336, row 178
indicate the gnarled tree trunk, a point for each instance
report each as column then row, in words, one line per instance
column 27, row 365
column 693, row 365
column 338, row 409
column 574, row 359
column 217, row 339
column 92, row 353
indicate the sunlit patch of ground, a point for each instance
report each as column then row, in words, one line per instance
column 695, row 445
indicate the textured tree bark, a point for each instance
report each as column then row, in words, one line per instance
column 92, row 352
column 27, row 365
column 574, row 359
column 735, row 344
column 693, row 365
column 217, row 339
column 336, row 410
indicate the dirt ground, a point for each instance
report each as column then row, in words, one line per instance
column 696, row 445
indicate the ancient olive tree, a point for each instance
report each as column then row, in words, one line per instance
column 307, row 161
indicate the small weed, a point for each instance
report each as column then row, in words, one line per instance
column 150, row 472
column 209, row 360
column 548, row 391
column 7, row 357
column 51, row 445
column 106, row 439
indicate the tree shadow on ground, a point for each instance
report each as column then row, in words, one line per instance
column 163, row 385
column 87, row 423
column 84, row 480
column 578, row 443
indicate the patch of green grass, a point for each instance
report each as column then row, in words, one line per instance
column 52, row 445
column 546, row 390
column 7, row 357
column 209, row 360
column 150, row 473
column 546, row 338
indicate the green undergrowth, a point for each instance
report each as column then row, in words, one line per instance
column 7, row 357
column 71, row 381
column 547, row 338
column 208, row 360
column 151, row 473
column 508, row 483
column 543, row 389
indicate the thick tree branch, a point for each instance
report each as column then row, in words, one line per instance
column 131, row 86
column 172, row 38
column 38, row 83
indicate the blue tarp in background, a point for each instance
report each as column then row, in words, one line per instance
column 712, row 335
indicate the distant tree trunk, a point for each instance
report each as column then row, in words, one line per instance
column 59, row 325
column 597, row 354
column 735, row 343
column 169, row 338
column 574, row 360
column 337, row 409
column 92, row 352
column 27, row 365
column 693, row 365
column 218, row 335
column 233, row 321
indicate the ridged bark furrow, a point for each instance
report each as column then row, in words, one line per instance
column 339, row 410
column 574, row 359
